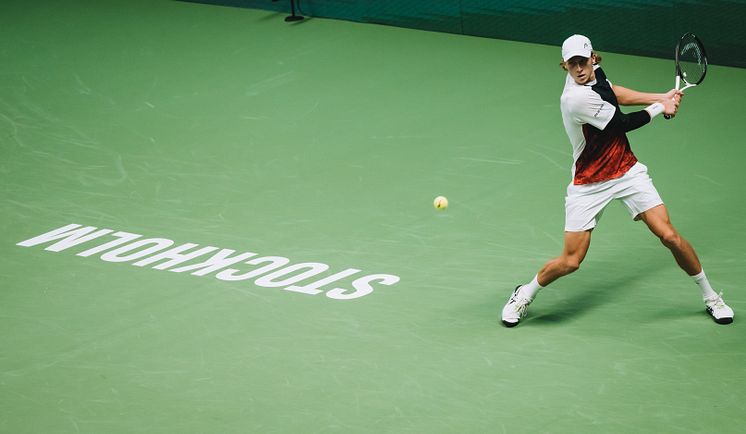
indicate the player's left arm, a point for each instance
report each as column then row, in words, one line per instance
column 625, row 96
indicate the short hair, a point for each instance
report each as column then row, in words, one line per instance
column 593, row 53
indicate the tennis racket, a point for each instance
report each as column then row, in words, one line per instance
column 691, row 62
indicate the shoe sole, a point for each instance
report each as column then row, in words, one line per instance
column 723, row 320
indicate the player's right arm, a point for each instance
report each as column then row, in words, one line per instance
column 588, row 107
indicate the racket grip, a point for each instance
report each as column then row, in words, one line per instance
column 678, row 85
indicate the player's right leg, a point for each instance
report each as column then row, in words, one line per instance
column 576, row 247
column 573, row 253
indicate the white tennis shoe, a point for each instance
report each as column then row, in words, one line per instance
column 718, row 310
column 516, row 308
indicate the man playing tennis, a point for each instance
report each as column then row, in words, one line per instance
column 605, row 169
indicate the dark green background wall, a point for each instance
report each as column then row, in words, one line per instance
column 647, row 28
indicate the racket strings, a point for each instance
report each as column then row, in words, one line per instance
column 692, row 61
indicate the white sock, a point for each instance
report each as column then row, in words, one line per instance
column 704, row 284
column 529, row 290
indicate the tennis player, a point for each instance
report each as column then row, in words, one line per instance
column 605, row 169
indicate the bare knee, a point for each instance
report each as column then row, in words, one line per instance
column 670, row 239
column 571, row 265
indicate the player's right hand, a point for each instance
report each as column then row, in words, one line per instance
column 671, row 105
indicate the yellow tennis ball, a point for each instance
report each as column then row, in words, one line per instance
column 440, row 202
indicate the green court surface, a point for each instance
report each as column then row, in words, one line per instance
column 323, row 144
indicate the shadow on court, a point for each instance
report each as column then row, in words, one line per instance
column 587, row 296
column 666, row 313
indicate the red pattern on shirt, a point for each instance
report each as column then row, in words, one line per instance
column 607, row 155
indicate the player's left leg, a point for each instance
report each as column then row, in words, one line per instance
column 659, row 223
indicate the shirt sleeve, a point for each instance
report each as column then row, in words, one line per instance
column 629, row 122
column 587, row 107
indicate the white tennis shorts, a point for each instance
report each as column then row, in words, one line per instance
column 585, row 204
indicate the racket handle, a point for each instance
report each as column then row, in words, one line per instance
column 678, row 84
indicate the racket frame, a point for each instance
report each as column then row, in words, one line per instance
column 679, row 74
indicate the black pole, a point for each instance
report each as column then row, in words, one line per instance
column 293, row 17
